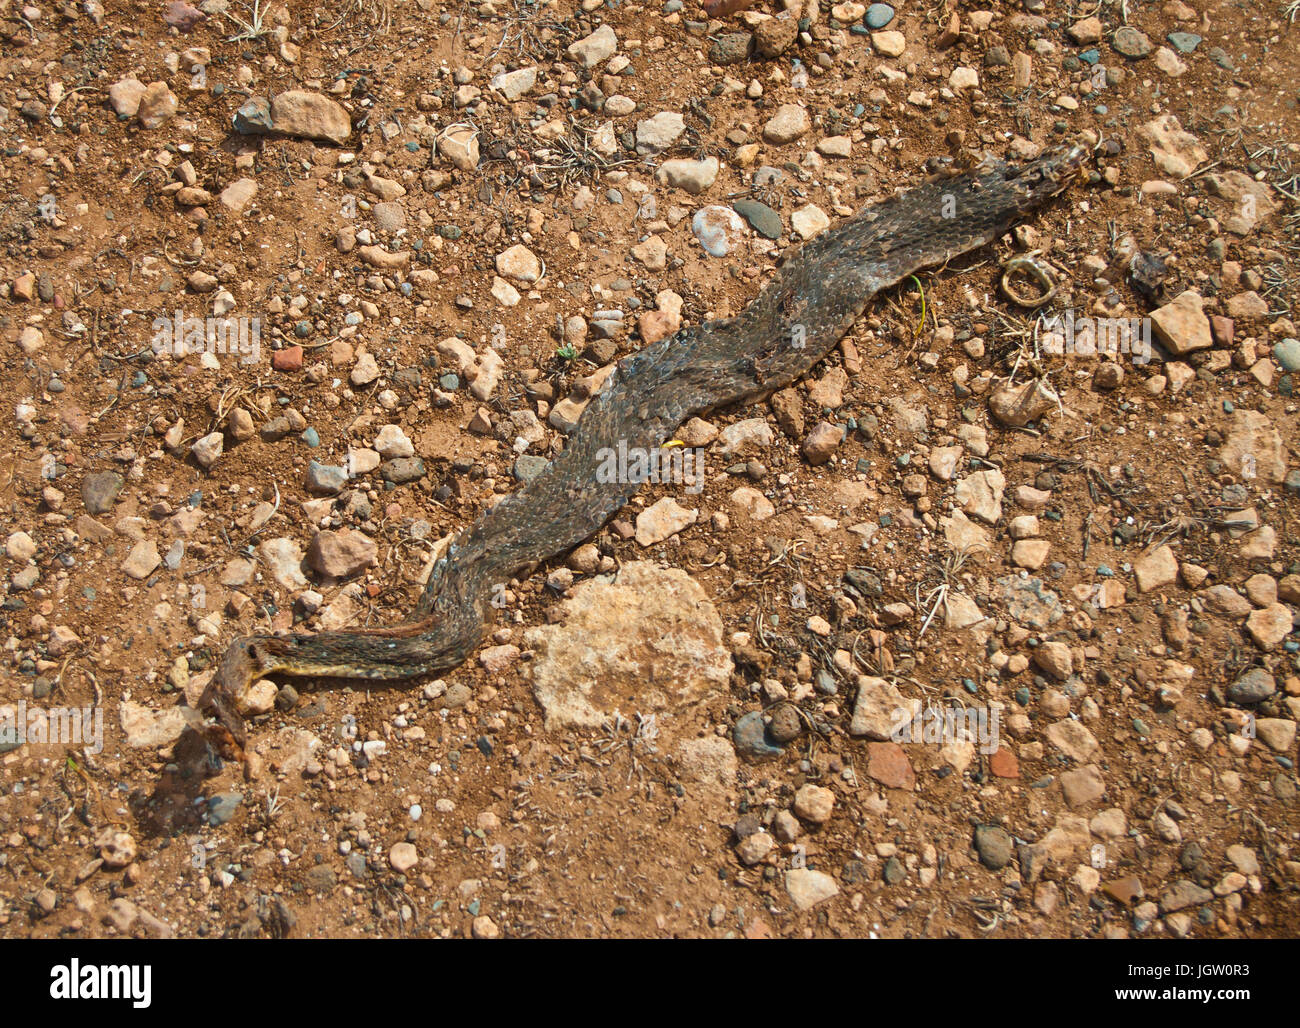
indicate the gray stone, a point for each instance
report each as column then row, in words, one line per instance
column 1287, row 353
column 99, row 490
column 730, row 47
column 750, row 738
column 324, row 478
column 1253, row 686
column 994, row 845
column 1030, row 602
column 762, row 219
column 403, row 469
column 253, row 118
column 1130, row 42
column 1184, row 894
column 222, row 807
column 529, row 467
column 879, row 15
column 321, row 878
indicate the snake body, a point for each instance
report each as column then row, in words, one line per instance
column 805, row 309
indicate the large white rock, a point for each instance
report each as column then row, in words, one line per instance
column 646, row 640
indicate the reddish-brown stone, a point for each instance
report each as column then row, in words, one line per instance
column 1004, row 764
column 1222, row 329
column 757, row 928
column 1124, row 890
column 288, row 359
column 888, row 765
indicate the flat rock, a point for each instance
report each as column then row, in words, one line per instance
column 1017, row 405
column 325, row 479
column 157, row 105
column 889, row 43
column 1030, row 554
column 297, row 112
column 282, row 558
column 239, row 194
column 718, row 229
column 124, row 97
column 1181, row 324
column 661, row 520
column 1054, row 659
column 809, row 221
column 660, row 132
column 1082, row 786
column 788, row 124
column 597, row 47
column 1073, row 739
column 879, row 708
column 142, row 561
column 1223, row 599
column 647, row 639
column 1086, row 30
column 99, row 490
column 709, row 761
column 887, row 764
column 1183, row 894
column 814, row 803
column 1157, row 569
column 147, row 728
column 807, row 887
column 402, row 857
column 1252, row 687
column 208, row 449
column 1253, row 447
column 690, row 176
column 1030, row 602
column 980, row 495
column 1176, row 152
column 519, row 263
column 964, row 535
column 762, row 219
column 749, row 436
column 994, row 845
column 1269, row 626
column 1277, row 733
column 459, row 145
column 341, row 554
column 755, row 505
column 514, row 84
column 1131, row 43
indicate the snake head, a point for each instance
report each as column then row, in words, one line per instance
column 1052, row 173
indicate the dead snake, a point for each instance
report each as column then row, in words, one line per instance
column 794, row 321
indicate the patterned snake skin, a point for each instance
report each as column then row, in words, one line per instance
column 793, row 322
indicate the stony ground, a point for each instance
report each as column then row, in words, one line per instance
column 437, row 225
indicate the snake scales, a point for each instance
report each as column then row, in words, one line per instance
column 793, row 322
